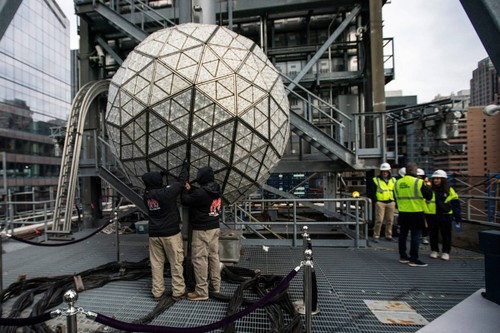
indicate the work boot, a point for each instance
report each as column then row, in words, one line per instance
column 194, row 296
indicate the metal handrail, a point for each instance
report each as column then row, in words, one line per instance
column 470, row 208
column 355, row 210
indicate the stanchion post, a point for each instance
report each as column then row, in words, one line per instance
column 308, row 289
column 70, row 298
column 305, row 236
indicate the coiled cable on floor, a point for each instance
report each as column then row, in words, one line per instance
column 53, row 288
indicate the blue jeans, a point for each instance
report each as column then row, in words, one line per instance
column 412, row 223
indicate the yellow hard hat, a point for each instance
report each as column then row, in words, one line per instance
column 355, row 194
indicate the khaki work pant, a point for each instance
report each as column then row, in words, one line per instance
column 384, row 213
column 205, row 258
column 161, row 249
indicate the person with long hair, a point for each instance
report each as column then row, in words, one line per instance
column 439, row 214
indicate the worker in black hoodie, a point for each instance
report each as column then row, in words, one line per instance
column 165, row 238
column 204, row 204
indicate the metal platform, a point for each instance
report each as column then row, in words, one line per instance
column 346, row 277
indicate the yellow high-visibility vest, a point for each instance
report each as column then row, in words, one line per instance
column 384, row 190
column 408, row 195
column 430, row 205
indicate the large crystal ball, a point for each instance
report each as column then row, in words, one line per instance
column 204, row 93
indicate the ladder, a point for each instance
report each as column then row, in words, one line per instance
column 68, row 175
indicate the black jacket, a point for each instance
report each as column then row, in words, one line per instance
column 204, row 202
column 164, row 217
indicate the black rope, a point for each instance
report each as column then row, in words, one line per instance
column 102, row 319
column 61, row 244
column 26, row 321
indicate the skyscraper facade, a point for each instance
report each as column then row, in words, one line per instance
column 34, row 91
column 485, row 84
column 483, row 138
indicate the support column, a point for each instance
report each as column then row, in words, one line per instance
column 204, row 11
column 330, row 190
column 91, row 186
column 185, row 10
column 377, row 69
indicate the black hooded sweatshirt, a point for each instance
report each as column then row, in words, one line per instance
column 164, row 217
column 204, row 202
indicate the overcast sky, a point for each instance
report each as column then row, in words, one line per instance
column 436, row 47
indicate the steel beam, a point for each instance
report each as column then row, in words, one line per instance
column 110, row 51
column 355, row 11
column 485, row 17
column 8, row 9
column 124, row 25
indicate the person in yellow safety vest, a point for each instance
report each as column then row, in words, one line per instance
column 410, row 193
column 439, row 213
column 384, row 205
column 425, row 231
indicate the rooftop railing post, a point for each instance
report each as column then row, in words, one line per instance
column 10, row 214
column 45, row 221
column 70, row 298
column 295, row 223
column 33, row 198
column 356, row 241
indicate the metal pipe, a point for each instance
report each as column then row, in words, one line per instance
column 45, row 221
column 230, row 14
column 204, row 11
column 377, row 64
column 33, row 206
column 185, row 11
column 262, row 22
column 10, row 213
column 396, row 148
column 356, row 240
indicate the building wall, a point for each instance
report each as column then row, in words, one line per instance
column 454, row 162
column 483, row 142
column 485, row 84
column 34, row 91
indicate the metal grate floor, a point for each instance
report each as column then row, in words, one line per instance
column 345, row 276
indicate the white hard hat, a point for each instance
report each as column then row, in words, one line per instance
column 439, row 174
column 385, row 167
column 402, row 171
column 420, row 172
